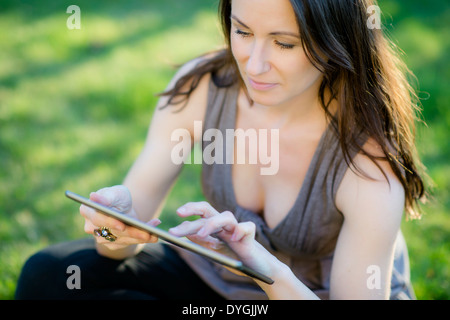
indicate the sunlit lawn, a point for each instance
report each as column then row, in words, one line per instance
column 75, row 107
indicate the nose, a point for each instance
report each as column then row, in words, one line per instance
column 257, row 62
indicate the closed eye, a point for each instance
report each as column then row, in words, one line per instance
column 243, row 33
column 284, row 45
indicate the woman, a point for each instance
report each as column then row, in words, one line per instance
column 325, row 225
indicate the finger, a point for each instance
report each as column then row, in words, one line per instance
column 99, row 219
column 141, row 236
column 209, row 242
column 126, row 240
column 187, row 228
column 144, row 236
column 203, row 209
column 154, row 222
column 118, row 197
column 119, row 240
column 99, row 198
column 244, row 231
column 130, row 236
column 89, row 227
column 216, row 224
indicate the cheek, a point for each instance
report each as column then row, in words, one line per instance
column 300, row 71
column 239, row 50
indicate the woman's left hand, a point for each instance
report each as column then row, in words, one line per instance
column 215, row 229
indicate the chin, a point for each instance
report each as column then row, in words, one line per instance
column 266, row 99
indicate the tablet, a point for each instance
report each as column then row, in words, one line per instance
column 164, row 235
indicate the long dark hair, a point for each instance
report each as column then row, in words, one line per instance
column 362, row 71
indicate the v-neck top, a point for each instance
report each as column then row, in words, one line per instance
column 305, row 239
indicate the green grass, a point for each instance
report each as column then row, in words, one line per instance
column 421, row 31
column 75, row 107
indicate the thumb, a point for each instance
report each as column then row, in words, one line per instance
column 154, row 222
column 99, row 198
column 118, row 197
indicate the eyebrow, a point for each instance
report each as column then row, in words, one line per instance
column 277, row 33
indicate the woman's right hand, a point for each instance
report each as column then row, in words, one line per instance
column 119, row 198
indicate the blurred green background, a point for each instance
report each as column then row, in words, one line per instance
column 75, row 107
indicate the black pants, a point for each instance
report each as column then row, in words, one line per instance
column 157, row 272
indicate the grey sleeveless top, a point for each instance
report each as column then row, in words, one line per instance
column 306, row 238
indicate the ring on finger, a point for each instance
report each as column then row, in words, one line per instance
column 104, row 232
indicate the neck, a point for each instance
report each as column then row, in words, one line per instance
column 304, row 109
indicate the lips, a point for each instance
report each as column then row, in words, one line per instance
column 261, row 86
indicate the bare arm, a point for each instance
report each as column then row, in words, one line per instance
column 372, row 216
column 153, row 173
column 372, row 212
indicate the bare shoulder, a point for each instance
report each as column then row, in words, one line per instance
column 154, row 170
column 200, row 92
column 377, row 192
column 183, row 113
column 187, row 68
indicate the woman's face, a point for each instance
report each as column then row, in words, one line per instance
column 265, row 42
